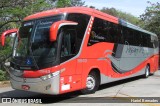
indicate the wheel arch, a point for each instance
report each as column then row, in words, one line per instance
column 93, row 72
column 97, row 71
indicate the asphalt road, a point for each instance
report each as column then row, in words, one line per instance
column 133, row 87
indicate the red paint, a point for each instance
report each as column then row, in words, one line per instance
column 75, row 71
column 54, row 28
column 4, row 34
column 83, row 10
column 39, row 73
column 79, row 68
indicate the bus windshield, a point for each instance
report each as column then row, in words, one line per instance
column 32, row 46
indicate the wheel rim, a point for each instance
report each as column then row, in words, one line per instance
column 90, row 84
column 147, row 71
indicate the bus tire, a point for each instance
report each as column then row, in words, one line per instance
column 147, row 72
column 92, row 83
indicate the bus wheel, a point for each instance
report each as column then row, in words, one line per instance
column 92, row 84
column 147, row 71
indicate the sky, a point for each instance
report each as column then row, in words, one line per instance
column 134, row 7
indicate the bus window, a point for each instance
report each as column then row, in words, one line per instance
column 82, row 20
column 68, row 46
column 105, row 31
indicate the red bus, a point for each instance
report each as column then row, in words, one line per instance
column 78, row 48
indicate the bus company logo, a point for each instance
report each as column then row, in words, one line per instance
column 28, row 61
column 21, row 100
column 96, row 36
column 6, row 100
column 131, row 50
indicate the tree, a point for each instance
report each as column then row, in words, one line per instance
column 69, row 3
column 151, row 18
column 92, row 7
column 63, row 3
column 123, row 15
column 13, row 11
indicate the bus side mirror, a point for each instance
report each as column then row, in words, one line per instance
column 5, row 34
column 56, row 26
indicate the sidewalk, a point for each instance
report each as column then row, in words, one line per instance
column 4, row 84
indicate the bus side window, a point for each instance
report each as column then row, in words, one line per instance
column 68, row 46
column 82, row 20
column 105, row 31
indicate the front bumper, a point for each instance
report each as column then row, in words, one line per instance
column 49, row 86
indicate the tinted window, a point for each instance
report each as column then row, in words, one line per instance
column 26, row 29
column 155, row 41
column 82, row 21
column 127, row 36
column 136, row 38
column 104, row 31
column 68, row 43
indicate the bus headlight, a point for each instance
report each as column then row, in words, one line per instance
column 50, row 75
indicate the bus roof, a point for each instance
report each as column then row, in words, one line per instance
column 83, row 10
column 86, row 10
column 129, row 25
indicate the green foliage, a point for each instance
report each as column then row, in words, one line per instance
column 3, row 76
column 13, row 11
column 6, row 50
column 151, row 18
column 69, row 3
column 123, row 15
column 63, row 3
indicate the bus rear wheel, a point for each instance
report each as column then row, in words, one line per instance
column 147, row 71
column 92, row 84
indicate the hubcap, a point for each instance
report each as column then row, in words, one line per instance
column 90, row 83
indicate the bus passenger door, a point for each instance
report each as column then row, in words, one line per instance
column 69, row 79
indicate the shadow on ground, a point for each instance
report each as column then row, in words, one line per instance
column 63, row 98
